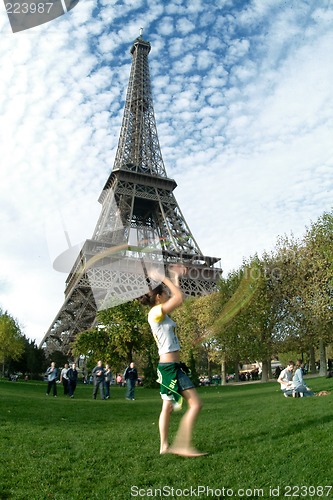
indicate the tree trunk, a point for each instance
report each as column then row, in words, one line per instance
column 129, row 355
column 237, row 371
column 270, row 375
column 223, row 372
column 312, row 360
column 209, row 368
column 323, row 360
column 265, row 370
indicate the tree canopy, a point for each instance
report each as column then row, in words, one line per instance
column 11, row 339
column 121, row 331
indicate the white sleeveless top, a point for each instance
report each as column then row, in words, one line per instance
column 163, row 329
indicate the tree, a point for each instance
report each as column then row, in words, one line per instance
column 295, row 332
column 307, row 280
column 11, row 339
column 121, row 332
column 230, row 324
column 188, row 329
column 32, row 361
column 248, row 324
column 58, row 357
column 149, row 361
column 317, row 294
column 127, row 329
column 243, row 329
column 194, row 318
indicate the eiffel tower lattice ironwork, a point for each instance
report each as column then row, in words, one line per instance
column 138, row 208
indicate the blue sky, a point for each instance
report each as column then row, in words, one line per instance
column 244, row 109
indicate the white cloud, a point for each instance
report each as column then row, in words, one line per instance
column 237, row 50
column 184, row 26
column 166, row 27
column 185, row 65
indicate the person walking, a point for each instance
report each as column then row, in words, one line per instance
column 119, row 380
column 174, row 382
column 72, row 375
column 64, row 378
column 131, row 377
column 107, row 380
column 52, row 374
column 98, row 374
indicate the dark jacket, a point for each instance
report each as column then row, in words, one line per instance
column 98, row 373
column 72, row 375
column 131, row 374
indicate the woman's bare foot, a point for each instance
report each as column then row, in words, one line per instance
column 186, row 452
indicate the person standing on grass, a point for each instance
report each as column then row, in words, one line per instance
column 98, row 374
column 107, row 381
column 64, row 378
column 285, row 380
column 52, row 374
column 72, row 375
column 174, row 382
column 130, row 377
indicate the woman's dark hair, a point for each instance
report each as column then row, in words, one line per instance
column 149, row 299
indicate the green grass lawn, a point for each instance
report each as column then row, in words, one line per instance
column 258, row 441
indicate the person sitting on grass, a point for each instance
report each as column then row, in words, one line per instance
column 285, row 380
column 299, row 386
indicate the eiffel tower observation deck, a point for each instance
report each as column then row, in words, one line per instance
column 140, row 224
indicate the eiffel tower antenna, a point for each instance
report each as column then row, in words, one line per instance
column 140, row 223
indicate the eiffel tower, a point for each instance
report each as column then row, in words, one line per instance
column 140, row 223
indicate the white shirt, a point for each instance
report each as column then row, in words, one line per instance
column 163, row 329
column 285, row 376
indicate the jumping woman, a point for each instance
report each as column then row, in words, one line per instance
column 174, row 383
